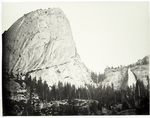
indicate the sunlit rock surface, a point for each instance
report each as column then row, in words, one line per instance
column 141, row 72
column 117, row 77
column 41, row 43
column 125, row 77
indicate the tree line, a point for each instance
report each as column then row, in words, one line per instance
column 97, row 77
column 104, row 94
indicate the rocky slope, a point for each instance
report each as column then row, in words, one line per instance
column 41, row 43
column 117, row 77
column 141, row 71
column 124, row 76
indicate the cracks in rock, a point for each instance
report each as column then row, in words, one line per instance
column 53, row 42
column 32, row 36
column 25, row 44
column 22, row 47
column 48, row 67
column 66, row 77
column 14, row 65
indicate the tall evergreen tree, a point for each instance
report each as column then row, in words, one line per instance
column 45, row 90
column 53, row 92
column 39, row 88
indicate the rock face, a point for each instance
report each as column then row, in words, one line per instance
column 117, row 77
column 40, row 43
column 142, row 72
column 124, row 77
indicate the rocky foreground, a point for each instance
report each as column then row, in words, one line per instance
column 71, row 107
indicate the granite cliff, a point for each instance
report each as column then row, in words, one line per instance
column 124, row 76
column 41, row 44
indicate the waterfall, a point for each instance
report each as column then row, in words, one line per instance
column 131, row 78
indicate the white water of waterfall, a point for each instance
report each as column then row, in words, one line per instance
column 131, row 78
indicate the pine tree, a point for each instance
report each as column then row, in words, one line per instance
column 34, row 83
column 53, row 92
column 147, row 82
column 39, row 88
column 68, row 86
column 27, row 79
column 45, row 91
column 73, row 92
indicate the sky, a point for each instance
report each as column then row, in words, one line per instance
column 105, row 33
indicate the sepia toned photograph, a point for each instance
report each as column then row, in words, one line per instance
column 75, row 58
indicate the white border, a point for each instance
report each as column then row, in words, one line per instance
column 145, row 116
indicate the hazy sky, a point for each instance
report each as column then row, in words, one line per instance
column 105, row 33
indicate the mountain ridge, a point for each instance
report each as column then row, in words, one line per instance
column 41, row 44
column 119, row 74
